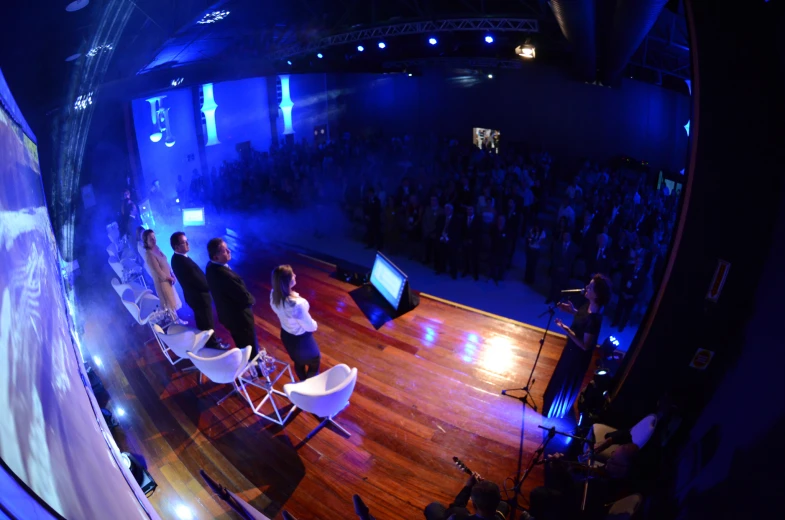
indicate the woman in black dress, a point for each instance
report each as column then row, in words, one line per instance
column 582, row 334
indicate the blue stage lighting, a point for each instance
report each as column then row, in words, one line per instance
column 320, row 56
column 289, row 62
column 489, row 39
column 432, row 41
column 382, row 45
column 360, row 48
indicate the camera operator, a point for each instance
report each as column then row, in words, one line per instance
column 485, row 496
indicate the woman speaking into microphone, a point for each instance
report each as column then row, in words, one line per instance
column 582, row 334
column 297, row 326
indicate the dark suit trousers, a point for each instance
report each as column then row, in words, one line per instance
column 203, row 315
column 243, row 333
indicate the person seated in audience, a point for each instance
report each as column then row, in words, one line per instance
column 485, row 496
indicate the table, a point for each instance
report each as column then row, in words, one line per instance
column 271, row 370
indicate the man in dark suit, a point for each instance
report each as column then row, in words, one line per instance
column 372, row 212
column 562, row 261
column 232, row 300
column 195, row 288
column 514, row 223
column 471, row 243
column 449, row 228
column 600, row 259
column 632, row 281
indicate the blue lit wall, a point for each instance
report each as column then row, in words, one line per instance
column 158, row 160
column 242, row 115
column 539, row 105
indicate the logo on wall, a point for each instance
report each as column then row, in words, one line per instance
column 160, row 116
column 208, row 114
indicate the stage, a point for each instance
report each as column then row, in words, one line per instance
column 428, row 389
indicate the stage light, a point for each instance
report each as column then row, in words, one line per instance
column 360, row 48
column 432, row 41
column 99, row 48
column 97, row 361
column 601, row 372
column 120, row 412
column 76, row 5
column 175, row 82
column 83, row 101
column 526, row 51
column 183, row 512
column 489, row 39
column 410, row 74
column 289, row 62
column 140, row 474
column 208, row 110
column 687, row 127
column 382, row 45
column 177, row 201
column 320, row 55
column 213, row 17
column 490, row 76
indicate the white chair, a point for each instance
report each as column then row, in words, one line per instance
column 137, row 291
column 625, row 508
column 146, row 310
column 641, row 433
column 224, row 367
column 126, row 270
column 181, row 340
column 324, row 395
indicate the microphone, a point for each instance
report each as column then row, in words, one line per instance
column 574, row 291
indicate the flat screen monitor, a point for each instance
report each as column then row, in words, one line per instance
column 388, row 279
column 193, row 217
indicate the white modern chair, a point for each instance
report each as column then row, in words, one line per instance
column 324, row 395
column 641, row 433
column 145, row 310
column 625, row 508
column 126, row 270
column 181, row 340
column 224, row 367
column 137, row 291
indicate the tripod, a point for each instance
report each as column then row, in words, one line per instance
column 527, row 389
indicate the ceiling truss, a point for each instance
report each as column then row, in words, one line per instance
column 527, row 25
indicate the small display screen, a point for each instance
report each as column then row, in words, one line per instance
column 193, row 217
column 388, row 279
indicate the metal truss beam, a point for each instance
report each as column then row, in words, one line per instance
column 528, row 25
column 471, row 63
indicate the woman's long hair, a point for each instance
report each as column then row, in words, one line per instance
column 147, row 233
column 281, row 280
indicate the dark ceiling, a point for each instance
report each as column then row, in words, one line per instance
column 162, row 39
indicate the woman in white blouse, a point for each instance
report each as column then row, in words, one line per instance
column 297, row 326
column 163, row 277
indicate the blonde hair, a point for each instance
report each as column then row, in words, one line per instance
column 281, row 280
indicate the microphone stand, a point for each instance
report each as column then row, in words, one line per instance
column 530, row 382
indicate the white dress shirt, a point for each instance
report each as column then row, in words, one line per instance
column 294, row 314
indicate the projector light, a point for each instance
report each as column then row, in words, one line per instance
column 382, row 45
column 489, row 39
column 601, row 372
column 183, row 512
column 432, row 41
column 213, row 17
column 83, row 101
column 360, row 48
column 177, row 201
column 525, row 51
column 175, row 82
column 410, row 74
column 320, row 55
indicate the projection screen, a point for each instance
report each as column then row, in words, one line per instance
column 53, row 440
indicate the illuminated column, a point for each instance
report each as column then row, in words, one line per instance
column 208, row 109
column 155, row 103
column 286, row 105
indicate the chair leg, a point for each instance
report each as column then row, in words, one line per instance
column 339, row 427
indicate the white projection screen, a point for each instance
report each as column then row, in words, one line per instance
column 53, row 441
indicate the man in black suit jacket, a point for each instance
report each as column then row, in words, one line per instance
column 232, row 300
column 562, row 261
column 449, row 228
column 472, row 227
column 194, row 284
column 632, row 283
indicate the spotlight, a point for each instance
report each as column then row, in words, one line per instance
column 601, row 372
column 432, row 41
column 490, row 76
column 177, row 201
column 139, row 472
column 489, row 39
column 525, row 51
column 320, row 56
column 289, row 62
column 76, row 5
column 410, row 74
column 360, row 48
column 382, row 45
column 120, row 412
column 97, row 361
column 183, row 512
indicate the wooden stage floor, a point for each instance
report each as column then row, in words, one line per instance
column 428, row 389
